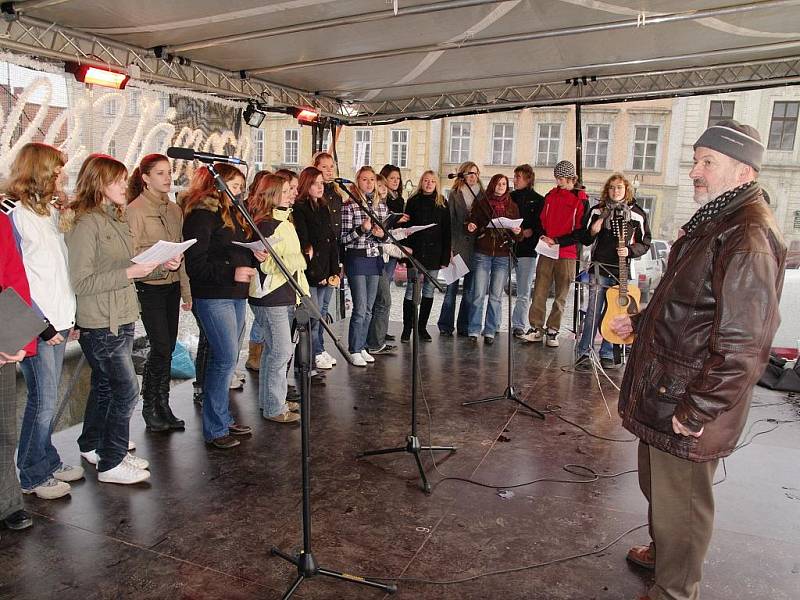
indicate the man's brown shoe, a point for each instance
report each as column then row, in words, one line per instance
column 225, row 442
column 642, row 556
column 236, row 429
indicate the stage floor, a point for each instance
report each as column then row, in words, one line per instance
column 202, row 527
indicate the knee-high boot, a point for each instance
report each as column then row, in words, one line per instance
column 424, row 312
column 163, row 403
column 408, row 320
column 150, row 410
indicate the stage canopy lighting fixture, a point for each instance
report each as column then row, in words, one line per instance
column 253, row 116
column 305, row 116
column 94, row 75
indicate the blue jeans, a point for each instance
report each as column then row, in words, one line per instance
column 363, row 288
column 379, row 323
column 278, row 350
column 427, row 285
column 223, row 321
column 113, row 396
column 256, row 333
column 591, row 321
column 37, row 458
column 447, row 316
column 526, row 268
column 324, row 304
column 490, row 274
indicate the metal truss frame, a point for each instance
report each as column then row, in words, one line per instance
column 38, row 38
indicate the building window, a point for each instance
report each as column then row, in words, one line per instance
column 595, row 153
column 549, row 144
column 645, row 147
column 134, row 99
column 720, row 110
column 163, row 105
column 362, row 147
column 648, row 204
column 502, row 143
column 399, row 149
column 112, row 147
column 326, row 140
column 291, row 146
column 258, row 145
column 459, row 142
column 112, row 107
column 783, row 127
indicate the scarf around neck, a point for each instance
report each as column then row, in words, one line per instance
column 711, row 209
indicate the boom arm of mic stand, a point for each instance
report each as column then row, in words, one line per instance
column 305, row 300
column 375, row 219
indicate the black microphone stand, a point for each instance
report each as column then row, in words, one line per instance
column 307, row 566
column 413, row 445
column 509, row 393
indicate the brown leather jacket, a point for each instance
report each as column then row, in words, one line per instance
column 703, row 341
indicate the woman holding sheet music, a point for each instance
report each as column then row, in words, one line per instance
column 430, row 246
column 153, row 217
column 491, row 260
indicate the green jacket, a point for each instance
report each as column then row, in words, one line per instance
column 100, row 248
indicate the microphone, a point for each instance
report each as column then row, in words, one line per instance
column 455, row 176
column 192, row 154
column 342, row 180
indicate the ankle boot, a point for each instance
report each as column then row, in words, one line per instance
column 254, row 357
column 164, row 410
column 408, row 320
column 150, row 413
column 424, row 312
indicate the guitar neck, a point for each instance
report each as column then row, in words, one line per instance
column 623, row 262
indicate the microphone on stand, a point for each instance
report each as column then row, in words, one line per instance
column 192, row 154
column 342, row 180
column 455, row 176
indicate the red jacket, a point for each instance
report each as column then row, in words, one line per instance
column 12, row 272
column 562, row 218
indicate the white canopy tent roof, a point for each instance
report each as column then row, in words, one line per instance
column 359, row 61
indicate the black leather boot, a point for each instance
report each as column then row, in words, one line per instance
column 408, row 320
column 150, row 411
column 163, row 403
column 424, row 312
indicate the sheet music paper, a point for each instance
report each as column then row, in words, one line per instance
column 547, row 250
column 162, row 251
column 258, row 246
column 455, row 270
column 504, row 223
column 403, row 232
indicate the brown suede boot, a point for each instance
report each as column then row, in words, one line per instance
column 254, row 356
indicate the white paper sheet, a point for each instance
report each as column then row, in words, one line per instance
column 403, row 232
column 258, row 246
column 547, row 250
column 455, row 270
column 162, row 251
column 504, row 223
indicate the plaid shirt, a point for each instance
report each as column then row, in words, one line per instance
column 353, row 237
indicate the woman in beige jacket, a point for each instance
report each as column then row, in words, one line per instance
column 152, row 216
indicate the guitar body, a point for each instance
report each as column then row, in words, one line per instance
column 617, row 305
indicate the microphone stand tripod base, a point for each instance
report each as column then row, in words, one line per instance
column 509, row 394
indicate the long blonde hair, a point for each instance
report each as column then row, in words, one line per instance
column 358, row 193
column 266, row 197
column 34, row 175
column 97, row 173
column 440, row 201
column 463, row 169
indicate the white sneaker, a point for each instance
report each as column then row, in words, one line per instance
column 136, row 461
column 50, row 489
column 124, row 473
column 240, row 375
column 367, row 356
column 535, row 335
column 552, row 338
column 91, row 457
column 236, row 383
column 358, row 360
column 68, row 473
column 329, row 358
column 321, row 362
column 131, row 445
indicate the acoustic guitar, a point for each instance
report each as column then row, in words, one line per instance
column 622, row 299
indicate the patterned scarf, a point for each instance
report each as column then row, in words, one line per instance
column 710, row 210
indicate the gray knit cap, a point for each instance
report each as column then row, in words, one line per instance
column 731, row 138
column 564, row 169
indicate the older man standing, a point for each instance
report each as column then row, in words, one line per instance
column 701, row 345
